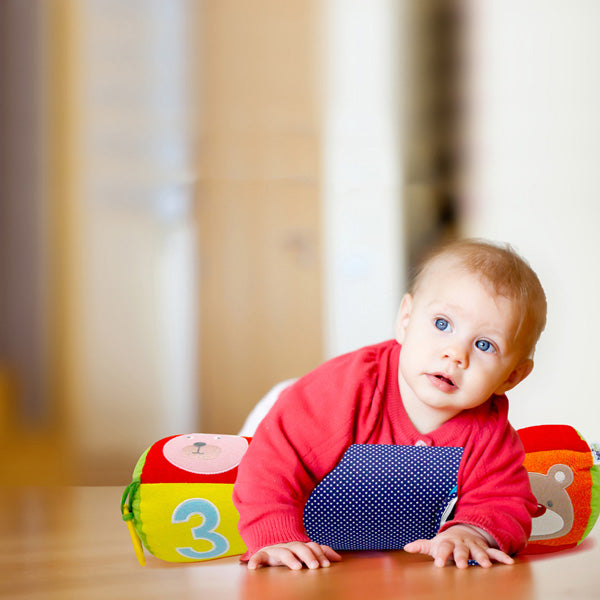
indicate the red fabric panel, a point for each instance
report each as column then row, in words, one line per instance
column 540, row 438
column 157, row 469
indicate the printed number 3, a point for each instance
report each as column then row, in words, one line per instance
column 205, row 531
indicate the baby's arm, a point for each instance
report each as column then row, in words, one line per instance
column 294, row 555
column 494, row 494
column 461, row 543
column 301, row 439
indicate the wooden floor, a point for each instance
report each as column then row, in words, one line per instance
column 70, row 543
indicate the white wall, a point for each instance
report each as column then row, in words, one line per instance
column 535, row 149
column 363, row 261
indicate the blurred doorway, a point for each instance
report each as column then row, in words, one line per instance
column 259, row 206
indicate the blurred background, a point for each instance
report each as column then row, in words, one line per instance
column 201, row 198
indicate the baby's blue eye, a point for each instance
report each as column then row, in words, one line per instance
column 442, row 324
column 484, row 346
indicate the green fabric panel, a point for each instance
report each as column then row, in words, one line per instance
column 137, row 471
column 595, row 500
column 137, row 520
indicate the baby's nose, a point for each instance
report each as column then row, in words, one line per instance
column 457, row 354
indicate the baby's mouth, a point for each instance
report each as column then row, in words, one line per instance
column 444, row 379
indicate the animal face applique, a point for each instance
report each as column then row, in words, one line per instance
column 555, row 514
column 204, row 454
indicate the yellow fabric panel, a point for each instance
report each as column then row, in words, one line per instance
column 186, row 522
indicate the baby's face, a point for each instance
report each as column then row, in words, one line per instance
column 458, row 345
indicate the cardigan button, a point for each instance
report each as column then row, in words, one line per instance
column 421, row 443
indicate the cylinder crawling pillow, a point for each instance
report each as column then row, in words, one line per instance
column 179, row 503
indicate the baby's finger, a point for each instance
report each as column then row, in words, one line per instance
column 480, row 556
column 310, row 554
column 274, row 557
column 319, row 554
column 461, row 555
column 500, row 556
column 258, row 559
column 331, row 554
column 290, row 559
column 324, row 554
column 418, row 547
column 442, row 552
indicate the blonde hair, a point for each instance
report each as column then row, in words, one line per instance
column 507, row 273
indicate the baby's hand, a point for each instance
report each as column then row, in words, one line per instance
column 294, row 555
column 461, row 543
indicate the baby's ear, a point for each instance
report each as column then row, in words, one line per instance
column 516, row 376
column 403, row 317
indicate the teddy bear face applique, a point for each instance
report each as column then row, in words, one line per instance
column 204, row 454
column 554, row 517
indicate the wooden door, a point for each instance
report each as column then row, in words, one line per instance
column 259, row 215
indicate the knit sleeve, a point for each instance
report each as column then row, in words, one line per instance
column 301, row 439
column 493, row 489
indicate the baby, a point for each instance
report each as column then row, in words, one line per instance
column 465, row 335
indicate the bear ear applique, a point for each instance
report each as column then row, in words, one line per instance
column 562, row 475
column 565, row 480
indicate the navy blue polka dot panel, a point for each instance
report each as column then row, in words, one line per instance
column 381, row 497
